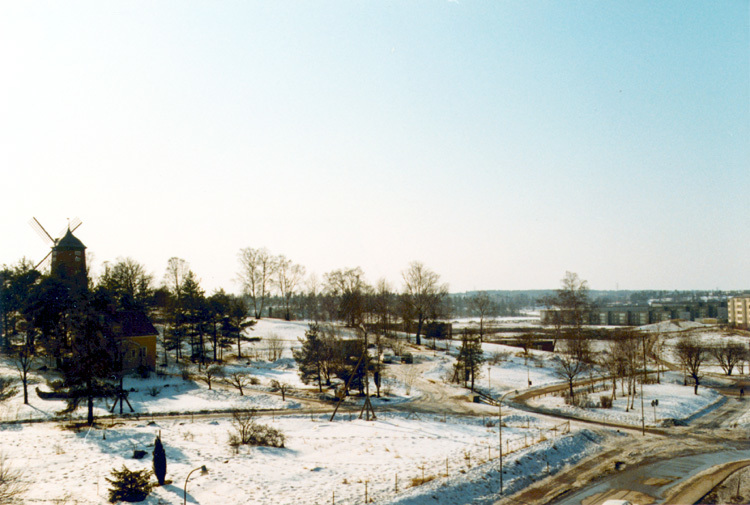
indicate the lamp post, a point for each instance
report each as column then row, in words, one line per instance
column 203, row 470
column 500, row 431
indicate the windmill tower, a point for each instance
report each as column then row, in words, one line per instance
column 67, row 257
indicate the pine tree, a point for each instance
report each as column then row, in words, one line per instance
column 238, row 321
column 309, row 357
column 469, row 359
column 160, row 461
column 129, row 486
column 93, row 360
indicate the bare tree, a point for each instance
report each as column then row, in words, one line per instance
column 484, row 307
column 174, row 277
column 177, row 273
column 691, row 354
column 257, row 269
column 423, row 293
column 573, row 361
column 239, row 380
column 129, row 282
column 210, row 373
column 288, row 278
column 23, row 361
column 349, row 289
column 312, row 298
column 729, row 355
column 552, row 317
column 409, row 374
column 527, row 340
column 611, row 361
column 383, row 307
column 274, row 347
column 281, row 387
column 655, row 349
column 573, row 299
column 626, row 350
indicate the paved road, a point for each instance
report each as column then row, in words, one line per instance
column 705, row 441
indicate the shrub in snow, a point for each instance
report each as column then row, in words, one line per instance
column 129, row 486
column 12, row 485
column 248, row 432
column 605, row 401
column 498, row 357
column 581, row 400
column 7, row 389
column 144, row 371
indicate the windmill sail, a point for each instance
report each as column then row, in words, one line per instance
column 42, row 232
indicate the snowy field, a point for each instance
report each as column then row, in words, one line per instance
column 676, row 402
column 322, row 461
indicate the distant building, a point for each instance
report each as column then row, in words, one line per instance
column 136, row 336
column 739, row 312
column 636, row 315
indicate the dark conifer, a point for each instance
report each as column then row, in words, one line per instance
column 129, row 486
column 160, row 461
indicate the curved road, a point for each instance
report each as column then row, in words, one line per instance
column 716, row 432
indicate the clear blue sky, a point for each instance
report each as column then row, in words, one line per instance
column 501, row 143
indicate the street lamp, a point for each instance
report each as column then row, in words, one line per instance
column 203, row 470
column 500, row 431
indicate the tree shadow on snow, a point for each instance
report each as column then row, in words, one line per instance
column 125, row 441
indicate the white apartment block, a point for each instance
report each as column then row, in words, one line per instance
column 739, row 312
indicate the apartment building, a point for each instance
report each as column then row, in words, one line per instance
column 633, row 315
column 739, row 312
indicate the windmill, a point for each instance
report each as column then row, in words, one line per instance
column 64, row 250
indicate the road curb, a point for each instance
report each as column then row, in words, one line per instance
column 700, row 485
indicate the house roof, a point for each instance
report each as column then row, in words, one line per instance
column 130, row 323
column 69, row 242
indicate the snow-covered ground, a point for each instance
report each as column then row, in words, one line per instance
column 676, row 402
column 322, row 461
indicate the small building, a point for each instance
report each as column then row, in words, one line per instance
column 437, row 329
column 739, row 312
column 137, row 338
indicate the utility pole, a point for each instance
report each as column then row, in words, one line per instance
column 500, row 434
column 643, row 411
column 367, row 405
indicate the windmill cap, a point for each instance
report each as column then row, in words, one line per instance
column 70, row 242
